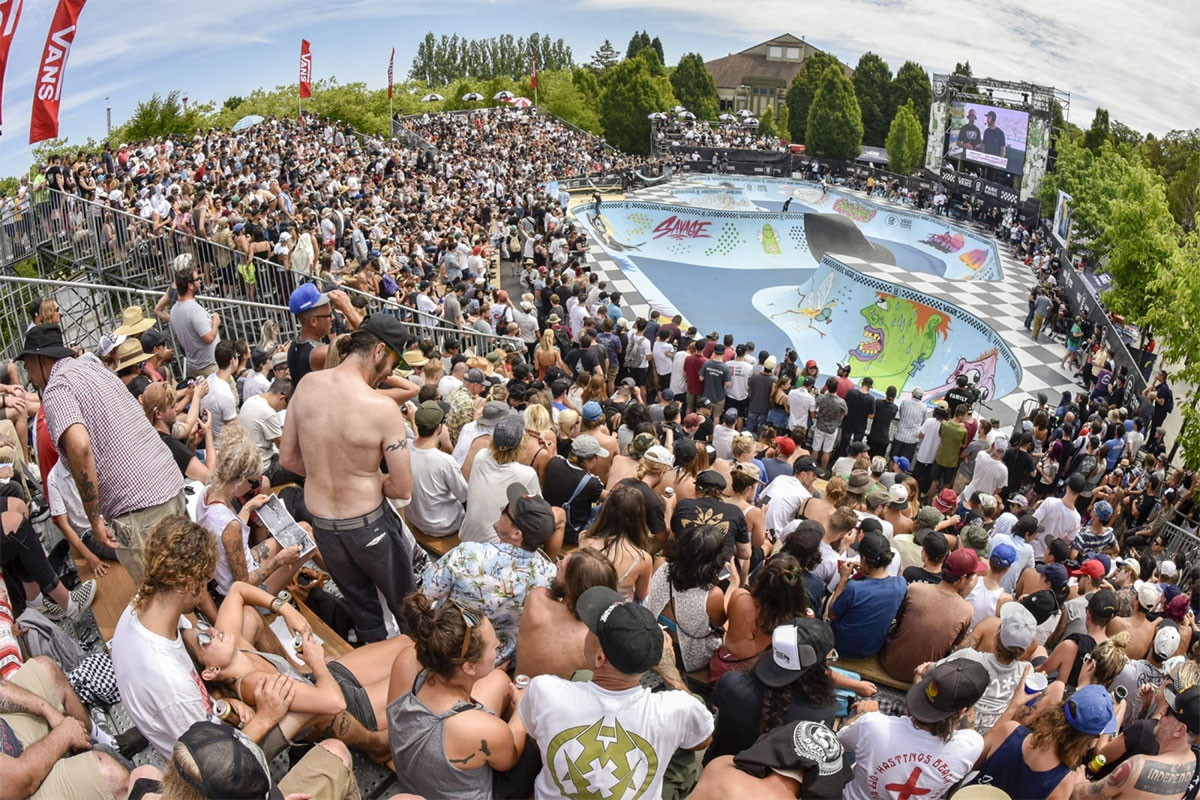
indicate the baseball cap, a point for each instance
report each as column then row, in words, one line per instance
column 592, row 411
column 1103, row 604
column 586, row 446
column 509, row 431
column 1018, row 501
column 1055, row 573
column 859, row 482
column 532, row 514
column 1029, row 524
column 929, row 517
column 710, row 479
column 877, row 497
column 1148, row 594
column 1132, row 565
column 279, row 360
column 693, row 420
column 306, row 296
column 1166, row 641
column 803, row 464
column 806, row 751
column 975, row 537
column 154, row 338
column 629, row 634
column 1003, row 555
column 659, row 455
column 475, row 375
column 387, row 329
column 963, row 561
column 898, row 496
column 1000, row 444
column 1184, row 704
column 228, row 764
column 1167, row 569
column 948, row 688
column 684, row 450
column 1178, row 608
column 795, row 647
column 730, row 415
column 810, row 364
column 874, row 545
column 429, row 415
column 1103, row 510
column 1077, row 482
column 1017, row 625
column 902, row 463
column 1090, row 711
column 1042, row 604
column 946, row 500
column 785, row 445
column 1092, row 568
column 493, row 412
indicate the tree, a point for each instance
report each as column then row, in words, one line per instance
column 232, row 102
column 162, row 116
column 631, row 94
column 558, row 94
column 964, row 70
column 835, row 127
column 905, row 144
column 785, row 123
column 656, row 43
column 766, row 124
column 804, row 87
column 912, row 83
column 607, row 56
column 1183, row 193
column 637, row 43
column 1097, row 134
column 872, row 86
column 694, row 87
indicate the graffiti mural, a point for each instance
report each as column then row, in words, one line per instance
column 899, row 337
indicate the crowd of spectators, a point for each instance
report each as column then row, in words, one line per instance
column 626, row 558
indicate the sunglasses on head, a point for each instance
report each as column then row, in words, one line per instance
column 470, row 621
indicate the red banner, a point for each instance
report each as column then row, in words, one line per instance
column 391, row 61
column 47, row 92
column 10, row 15
column 305, row 69
column 533, row 68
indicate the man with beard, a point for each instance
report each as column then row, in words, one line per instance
column 345, row 490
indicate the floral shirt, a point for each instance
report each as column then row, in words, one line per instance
column 495, row 578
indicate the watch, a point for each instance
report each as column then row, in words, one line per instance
column 280, row 599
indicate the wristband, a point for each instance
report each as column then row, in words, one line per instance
column 279, row 600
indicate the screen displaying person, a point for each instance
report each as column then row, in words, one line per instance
column 968, row 134
column 993, row 137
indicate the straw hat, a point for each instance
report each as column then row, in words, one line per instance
column 133, row 322
column 130, row 353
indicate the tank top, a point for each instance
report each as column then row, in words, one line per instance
column 299, row 359
column 697, row 642
column 417, row 739
column 1086, row 645
column 983, row 600
column 1007, row 771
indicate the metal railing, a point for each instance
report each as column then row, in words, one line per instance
column 112, row 246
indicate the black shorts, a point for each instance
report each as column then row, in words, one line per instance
column 358, row 703
column 945, row 474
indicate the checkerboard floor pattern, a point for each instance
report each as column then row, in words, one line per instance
column 1002, row 304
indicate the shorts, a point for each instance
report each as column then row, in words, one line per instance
column 320, row 774
column 823, row 442
column 945, row 475
column 131, row 531
column 358, row 702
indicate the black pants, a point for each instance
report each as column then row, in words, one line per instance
column 278, row 476
column 365, row 558
column 22, row 554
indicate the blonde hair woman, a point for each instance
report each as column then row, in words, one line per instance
column 547, row 354
column 237, row 472
column 540, row 443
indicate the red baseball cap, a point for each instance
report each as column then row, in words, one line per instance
column 946, row 501
column 963, row 561
column 810, row 364
column 1092, row 568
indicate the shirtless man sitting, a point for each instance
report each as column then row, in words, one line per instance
column 550, row 639
column 345, row 491
column 1141, row 628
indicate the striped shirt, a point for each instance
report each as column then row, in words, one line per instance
column 912, row 413
column 134, row 467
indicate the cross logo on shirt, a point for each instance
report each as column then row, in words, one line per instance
column 909, row 788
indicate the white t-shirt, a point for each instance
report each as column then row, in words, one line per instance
column 448, row 384
column 619, row 742
column 159, row 686
column 890, row 754
column 255, row 384
column 263, row 425
column 990, row 475
column 64, row 497
column 215, row 518
column 739, row 379
column 486, row 495
column 663, row 353
column 930, row 437
column 220, row 403
column 1058, row 519
column 786, row 494
column 678, row 377
column 438, row 492
column 800, row 404
column 1005, row 678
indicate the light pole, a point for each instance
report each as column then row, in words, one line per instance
column 108, row 115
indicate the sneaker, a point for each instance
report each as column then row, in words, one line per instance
column 83, row 595
column 52, row 611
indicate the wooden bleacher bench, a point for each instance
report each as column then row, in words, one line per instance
column 335, row 645
column 869, row 669
column 436, row 546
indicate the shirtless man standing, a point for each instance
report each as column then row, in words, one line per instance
column 1140, row 627
column 338, row 429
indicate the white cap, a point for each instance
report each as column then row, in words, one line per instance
column 1166, row 641
column 659, row 455
column 1167, row 569
column 1017, row 625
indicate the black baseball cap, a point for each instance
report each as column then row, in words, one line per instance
column 388, row 330
column 531, row 513
column 1042, row 604
column 947, row 689
column 806, row 751
column 629, row 634
column 1184, row 705
column 803, row 464
column 710, row 479
column 230, row 765
column 154, row 338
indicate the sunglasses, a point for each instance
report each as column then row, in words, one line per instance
column 508, row 513
column 470, row 621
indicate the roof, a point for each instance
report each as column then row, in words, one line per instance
column 752, row 64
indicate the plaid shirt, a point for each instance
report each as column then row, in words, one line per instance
column 912, row 413
column 134, row 466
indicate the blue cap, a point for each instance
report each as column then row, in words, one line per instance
column 903, row 463
column 1055, row 573
column 1103, row 510
column 592, row 411
column 306, row 296
column 1090, row 711
column 1003, row 555
column 1102, row 558
column 237, row 226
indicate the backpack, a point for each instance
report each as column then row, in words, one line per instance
column 634, row 352
column 572, row 532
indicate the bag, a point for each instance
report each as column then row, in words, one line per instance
column 777, row 418
column 572, row 533
column 633, row 353
column 333, row 610
column 95, row 681
column 723, row 661
column 514, row 245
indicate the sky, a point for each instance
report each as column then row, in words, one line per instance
column 1136, row 58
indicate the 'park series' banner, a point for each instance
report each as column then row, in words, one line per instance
column 47, row 92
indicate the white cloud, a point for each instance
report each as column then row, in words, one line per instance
column 1138, row 59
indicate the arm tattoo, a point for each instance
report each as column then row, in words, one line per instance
column 483, row 748
column 402, row 444
column 89, row 496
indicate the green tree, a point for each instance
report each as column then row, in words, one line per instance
column 588, row 85
column 162, row 116
column 559, row 95
column 835, row 127
column 872, row 86
column 232, row 102
column 804, row 87
column 905, row 144
column 1097, row 134
column 694, row 87
column 605, row 57
column 637, row 43
column 1183, row 193
column 912, row 83
column 766, row 123
column 631, row 94
column 964, row 70
column 785, row 122
column 1121, row 134
column 656, row 43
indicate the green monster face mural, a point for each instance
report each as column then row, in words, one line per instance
column 897, row 339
